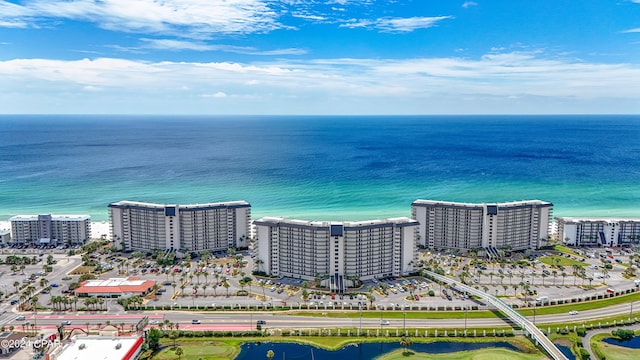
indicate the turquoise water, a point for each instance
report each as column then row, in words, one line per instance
column 328, row 168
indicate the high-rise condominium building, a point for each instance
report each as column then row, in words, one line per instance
column 516, row 225
column 50, row 229
column 336, row 250
column 592, row 231
column 213, row 227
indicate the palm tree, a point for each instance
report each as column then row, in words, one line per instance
column 226, row 286
column 555, row 273
column 179, row 352
column 564, row 275
column 259, row 263
column 505, row 287
column 405, row 342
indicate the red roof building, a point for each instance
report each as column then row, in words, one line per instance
column 115, row 287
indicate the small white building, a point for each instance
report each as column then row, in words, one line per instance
column 593, row 231
column 99, row 348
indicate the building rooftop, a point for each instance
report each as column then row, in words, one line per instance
column 99, row 348
column 115, row 285
column 398, row 220
column 596, row 219
column 53, row 218
column 452, row 203
column 189, row 206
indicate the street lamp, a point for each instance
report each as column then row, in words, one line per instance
column 465, row 319
column 360, row 308
column 404, row 321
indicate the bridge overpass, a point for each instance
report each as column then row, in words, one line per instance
column 524, row 323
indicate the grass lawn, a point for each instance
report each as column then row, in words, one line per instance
column 588, row 305
column 193, row 350
column 614, row 352
column 564, row 249
column 398, row 314
column 554, row 260
column 483, row 354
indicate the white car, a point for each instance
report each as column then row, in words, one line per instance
column 153, row 322
column 573, row 312
column 384, row 322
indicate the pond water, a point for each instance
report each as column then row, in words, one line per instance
column 634, row 343
column 567, row 352
column 364, row 351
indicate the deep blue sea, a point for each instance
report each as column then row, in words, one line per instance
column 319, row 168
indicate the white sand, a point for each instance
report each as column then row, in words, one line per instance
column 99, row 228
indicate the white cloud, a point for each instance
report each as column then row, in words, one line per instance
column 636, row 30
column 317, row 85
column 219, row 94
column 194, row 18
column 396, row 24
column 468, row 4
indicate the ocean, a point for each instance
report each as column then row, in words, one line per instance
column 319, row 167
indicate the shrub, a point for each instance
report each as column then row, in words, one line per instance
column 584, row 354
column 623, row 334
column 581, row 332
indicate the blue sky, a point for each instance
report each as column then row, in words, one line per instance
column 319, row 57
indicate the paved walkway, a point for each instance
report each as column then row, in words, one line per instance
column 586, row 341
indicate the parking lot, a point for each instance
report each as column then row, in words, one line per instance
column 221, row 282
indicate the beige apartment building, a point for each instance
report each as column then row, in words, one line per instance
column 213, row 227
column 518, row 225
column 336, row 251
column 47, row 229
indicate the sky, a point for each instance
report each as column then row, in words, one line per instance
column 321, row 57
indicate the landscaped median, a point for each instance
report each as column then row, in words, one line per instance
column 610, row 351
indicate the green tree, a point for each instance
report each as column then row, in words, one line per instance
column 179, row 352
column 173, row 336
column 270, row 354
column 153, row 338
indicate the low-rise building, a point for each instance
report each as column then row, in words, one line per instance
column 5, row 237
column 594, row 231
column 115, row 287
column 98, row 348
column 47, row 229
